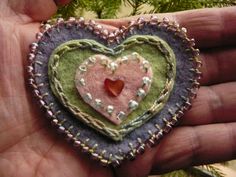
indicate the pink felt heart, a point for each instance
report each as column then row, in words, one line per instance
column 133, row 70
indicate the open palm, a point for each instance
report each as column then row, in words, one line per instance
column 28, row 146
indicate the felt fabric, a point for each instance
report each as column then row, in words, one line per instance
column 130, row 69
column 68, row 56
column 113, row 87
column 106, row 147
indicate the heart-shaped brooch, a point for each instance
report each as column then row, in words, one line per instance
column 114, row 93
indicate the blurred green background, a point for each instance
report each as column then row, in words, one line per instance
column 123, row 8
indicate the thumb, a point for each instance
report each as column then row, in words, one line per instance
column 38, row 10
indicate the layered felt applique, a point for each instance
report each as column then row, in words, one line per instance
column 113, row 93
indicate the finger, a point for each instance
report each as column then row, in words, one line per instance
column 37, row 10
column 209, row 27
column 214, row 104
column 187, row 146
column 183, row 147
column 110, row 28
column 218, row 66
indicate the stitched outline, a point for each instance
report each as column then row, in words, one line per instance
column 91, row 44
column 174, row 28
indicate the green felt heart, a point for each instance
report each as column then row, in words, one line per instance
column 67, row 57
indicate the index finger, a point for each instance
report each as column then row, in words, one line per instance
column 210, row 27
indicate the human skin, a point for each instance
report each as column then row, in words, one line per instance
column 206, row 134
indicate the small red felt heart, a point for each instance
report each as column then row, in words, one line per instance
column 114, row 88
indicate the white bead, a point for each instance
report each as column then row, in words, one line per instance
column 135, row 54
column 133, row 104
column 184, row 30
column 146, row 80
column 82, row 82
column 83, row 68
column 92, row 59
column 146, row 64
column 110, row 109
column 47, row 26
column 121, row 115
column 141, row 93
column 124, row 59
column 98, row 103
column 104, row 60
column 113, row 66
column 88, row 97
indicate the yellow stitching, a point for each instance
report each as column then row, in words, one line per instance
column 97, row 123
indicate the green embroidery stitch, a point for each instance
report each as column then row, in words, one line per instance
column 69, row 55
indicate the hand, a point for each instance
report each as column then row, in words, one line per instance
column 28, row 146
column 207, row 133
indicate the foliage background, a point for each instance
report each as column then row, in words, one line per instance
column 112, row 8
column 122, row 8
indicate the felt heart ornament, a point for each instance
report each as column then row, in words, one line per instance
column 114, row 93
column 91, row 75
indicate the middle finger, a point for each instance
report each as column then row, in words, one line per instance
column 218, row 66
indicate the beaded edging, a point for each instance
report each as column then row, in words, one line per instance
column 111, row 37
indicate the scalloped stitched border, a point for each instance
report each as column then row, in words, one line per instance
column 91, row 121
